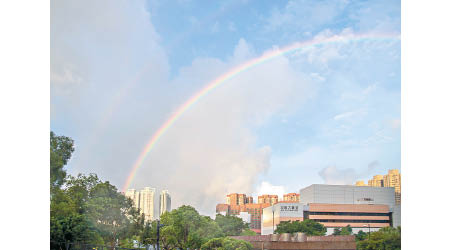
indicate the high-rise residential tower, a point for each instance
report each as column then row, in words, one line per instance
column 164, row 202
column 267, row 198
column 377, row 181
column 392, row 179
column 147, row 202
column 291, row 197
column 238, row 199
column 134, row 196
column 144, row 200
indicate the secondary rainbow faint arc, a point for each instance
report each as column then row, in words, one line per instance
column 235, row 71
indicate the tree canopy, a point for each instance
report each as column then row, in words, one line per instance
column 309, row 227
column 387, row 238
column 185, row 228
column 226, row 243
column 85, row 209
column 88, row 206
column 231, row 225
column 360, row 235
column 347, row 230
column 61, row 149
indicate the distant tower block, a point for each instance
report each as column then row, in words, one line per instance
column 164, row 202
column 147, row 202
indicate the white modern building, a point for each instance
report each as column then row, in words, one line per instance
column 284, row 211
column 325, row 196
column 164, row 202
column 347, row 194
column 362, row 207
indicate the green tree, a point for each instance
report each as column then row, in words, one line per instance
column 387, row 238
column 347, row 230
column 185, row 228
column 226, row 243
column 72, row 228
column 360, row 235
column 309, row 227
column 148, row 235
column 336, row 231
column 85, row 209
column 79, row 189
column 61, row 149
column 248, row 232
column 111, row 212
column 230, row 225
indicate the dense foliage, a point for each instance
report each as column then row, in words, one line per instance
column 343, row 231
column 61, row 149
column 231, row 225
column 360, row 235
column 387, row 238
column 185, row 228
column 248, row 232
column 226, row 243
column 84, row 209
column 309, row 227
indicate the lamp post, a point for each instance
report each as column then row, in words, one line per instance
column 273, row 219
column 158, row 226
column 368, row 225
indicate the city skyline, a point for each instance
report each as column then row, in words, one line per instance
column 325, row 112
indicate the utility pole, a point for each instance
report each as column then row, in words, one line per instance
column 368, row 225
column 273, row 219
column 158, row 226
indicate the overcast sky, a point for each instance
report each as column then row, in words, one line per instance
column 326, row 114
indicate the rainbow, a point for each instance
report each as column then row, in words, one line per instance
column 240, row 69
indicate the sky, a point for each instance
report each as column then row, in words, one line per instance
column 324, row 114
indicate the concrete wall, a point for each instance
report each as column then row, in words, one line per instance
column 396, row 215
column 312, row 242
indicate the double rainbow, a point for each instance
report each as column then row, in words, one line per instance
column 236, row 71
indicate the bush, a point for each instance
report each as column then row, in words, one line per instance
column 226, row 243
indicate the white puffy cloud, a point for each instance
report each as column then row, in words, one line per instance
column 268, row 188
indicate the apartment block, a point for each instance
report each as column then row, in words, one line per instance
column 164, row 202
column 144, row 200
column 392, row 179
column 238, row 199
column 291, row 197
column 267, row 198
column 255, row 211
